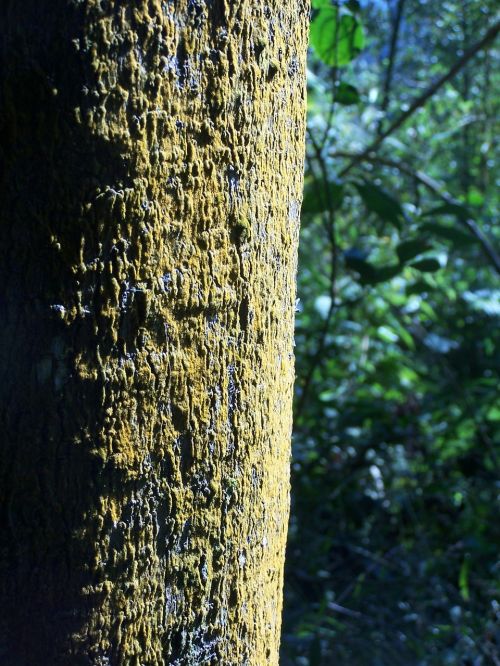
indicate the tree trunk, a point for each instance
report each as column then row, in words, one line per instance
column 150, row 203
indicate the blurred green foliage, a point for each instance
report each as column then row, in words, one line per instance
column 393, row 554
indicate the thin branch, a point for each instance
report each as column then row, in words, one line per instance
column 392, row 58
column 488, row 37
column 434, row 187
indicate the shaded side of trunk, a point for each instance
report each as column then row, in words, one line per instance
column 148, row 235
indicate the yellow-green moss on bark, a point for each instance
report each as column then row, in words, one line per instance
column 148, row 253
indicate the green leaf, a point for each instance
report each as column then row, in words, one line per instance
column 475, row 197
column 386, row 334
column 318, row 199
column 427, row 265
column 493, row 414
column 386, row 273
column 370, row 274
column 406, row 338
column 418, row 287
column 456, row 236
column 409, row 249
column 337, row 37
column 377, row 200
column 463, row 579
column 450, row 209
column 346, row 94
column 364, row 268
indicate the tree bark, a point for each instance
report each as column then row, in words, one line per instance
column 150, row 195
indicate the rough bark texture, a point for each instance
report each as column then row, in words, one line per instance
column 150, row 195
